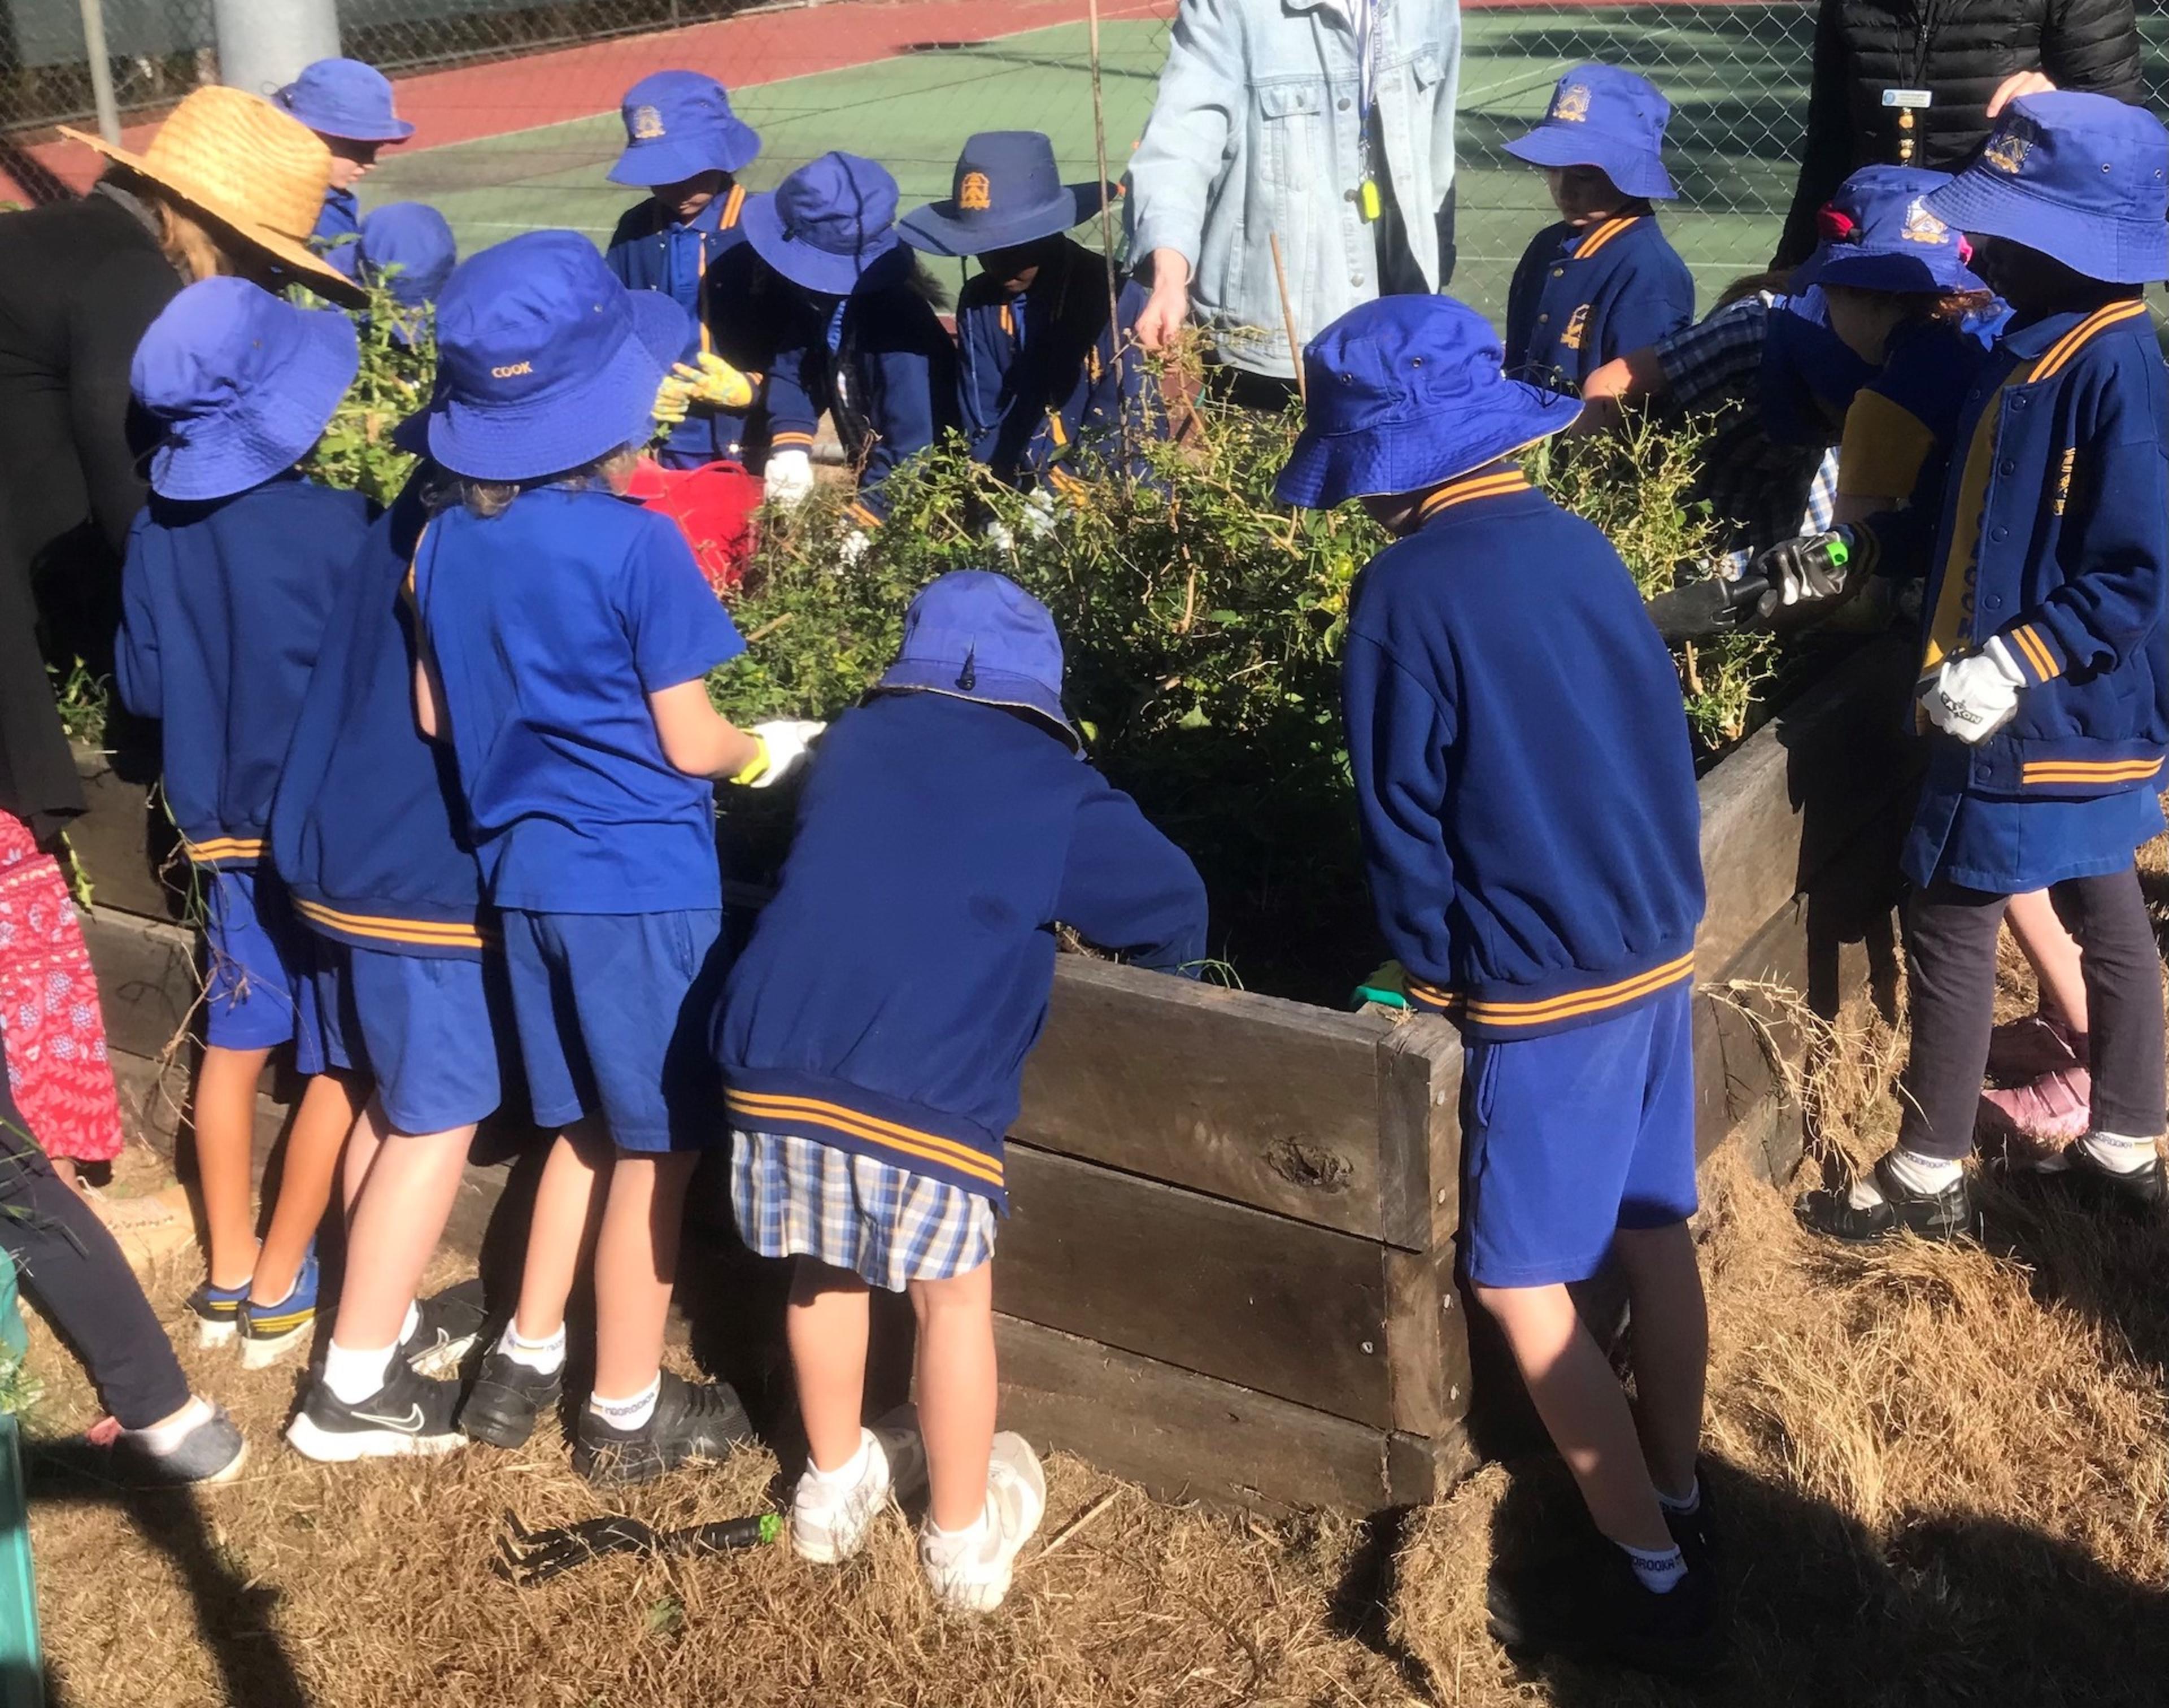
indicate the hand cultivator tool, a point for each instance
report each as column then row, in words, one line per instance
column 527, row 1558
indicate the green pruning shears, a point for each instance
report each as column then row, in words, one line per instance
column 528, row 1558
column 1388, row 986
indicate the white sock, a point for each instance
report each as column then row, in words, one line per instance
column 353, row 1373
column 629, row 1413
column 410, row 1324
column 1682, row 1506
column 2117, row 1153
column 545, row 1357
column 848, row 1475
column 1916, row 1173
column 1658, row 1569
column 949, row 1546
column 162, row 1438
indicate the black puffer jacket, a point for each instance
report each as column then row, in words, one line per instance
column 1957, row 50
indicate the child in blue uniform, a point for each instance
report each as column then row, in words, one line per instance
column 856, row 335
column 233, row 567
column 349, row 105
column 685, row 146
column 1530, row 826
column 2043, row 678
column 368, row 835
column 1603, row 281
column 409, row 249
column 873, row 1036
column 568, row 634
column 1040, row 376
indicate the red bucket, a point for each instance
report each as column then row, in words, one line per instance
column 713, row 505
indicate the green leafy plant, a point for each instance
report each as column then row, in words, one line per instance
column 398, row 366
column 84, row 702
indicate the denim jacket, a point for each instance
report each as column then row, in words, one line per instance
column 1256, row 132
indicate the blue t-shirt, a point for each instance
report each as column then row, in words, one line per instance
column 551, row 624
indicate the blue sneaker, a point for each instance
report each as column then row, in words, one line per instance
column 217, row 1313
column 267, row 1330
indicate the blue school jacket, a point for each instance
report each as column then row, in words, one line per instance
column 1041, row 383
column 223, row 607
column 894, row 986
column 1584, row 296
column 367, row 830
column 2054, row 535
column 878, row 361
column 338, row 225
column 551, row 625
column 651, row 250
column 1522, row 767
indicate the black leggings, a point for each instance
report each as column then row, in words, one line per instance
column 72, row 1271
column 1950, row 968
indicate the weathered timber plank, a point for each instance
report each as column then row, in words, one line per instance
column 1419, row 1129
column 119, row 839
column 1182, row 1435
column 1268, row 1103
column 1278, row 1305
column 1421, row 1469
column 146, row 979
column 1426, row 1341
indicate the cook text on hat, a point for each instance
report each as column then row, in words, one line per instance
column 1602, row 116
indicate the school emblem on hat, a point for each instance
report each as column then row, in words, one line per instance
column 973, row 194
column 1923, row 226
column 647, row 123
column 2007, row 151
column 1571, row 103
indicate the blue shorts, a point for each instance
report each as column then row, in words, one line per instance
column 430, row 1030
column 613, row 1012
column 258, row 960
column 1570, row 1137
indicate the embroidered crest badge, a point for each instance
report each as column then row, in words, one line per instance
column 973, row 194
column 647, row 123
column 1570, row 104
column 2007, row 151
column 1923, row 226
column 1577, row 328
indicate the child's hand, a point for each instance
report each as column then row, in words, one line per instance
column 672, row 400
column 1974, row 696
column 789, row 478
column 709, row 379
column 783, row 745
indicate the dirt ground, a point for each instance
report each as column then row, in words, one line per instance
column 1942, row 1476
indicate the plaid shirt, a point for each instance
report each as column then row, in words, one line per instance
column 1761, row 492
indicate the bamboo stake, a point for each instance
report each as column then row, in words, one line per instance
column 1107, row 233
column 1287, row 317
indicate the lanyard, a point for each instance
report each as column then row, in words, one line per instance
column 1366, row 17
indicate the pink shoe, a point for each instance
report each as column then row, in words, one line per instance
column 2025, row 1049
column 2045, row 1114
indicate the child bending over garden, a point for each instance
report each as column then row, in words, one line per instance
column 1529, row 824
column 1043, row 381
column 233, row 570
column 566, row 641
column 2042, row 679
column 350, row 106
column 1603, row 280
column 872, row 1039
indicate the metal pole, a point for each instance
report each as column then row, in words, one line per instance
column 1107, row 232
column 264, row 44
column 101, row 69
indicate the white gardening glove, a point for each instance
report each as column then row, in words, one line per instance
column 1974, row 696
column 1039, row 513
column 997, row 534
column 783, row 744
column 789, row 478
column 1815, row 569
column 852, row 547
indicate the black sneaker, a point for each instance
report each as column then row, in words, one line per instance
column 409, row 1414
column 2142, row 1193
column 213, row 1451
column 449, row 1324
column 507, row 1399
column 1949, row 1214
column 1595, row 1608
column 1695, row 1532
column 703, row 1421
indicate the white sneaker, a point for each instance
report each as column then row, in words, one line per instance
column 830, row 1524
column 976, row 1578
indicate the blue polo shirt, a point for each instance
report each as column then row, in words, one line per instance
column 551, row 624
column 654, row 250
column 1583, row 296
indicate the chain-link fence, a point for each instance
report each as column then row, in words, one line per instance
column 515, row 100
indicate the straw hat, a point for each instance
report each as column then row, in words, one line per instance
column 256, row 171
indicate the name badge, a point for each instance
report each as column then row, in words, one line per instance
column 1908, row 97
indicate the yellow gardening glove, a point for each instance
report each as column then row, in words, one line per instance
column 672, row 398
column 709, row 379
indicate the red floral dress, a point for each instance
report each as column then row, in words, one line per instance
column 49, row 1012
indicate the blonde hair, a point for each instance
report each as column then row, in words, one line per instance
column 608, row 472
column 197, row 247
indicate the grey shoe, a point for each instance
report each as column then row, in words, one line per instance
column 213, row 1451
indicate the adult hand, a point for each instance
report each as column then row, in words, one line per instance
column 2016, row 84
column 1167, row 311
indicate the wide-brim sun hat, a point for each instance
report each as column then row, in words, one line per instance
column 977, row 636
column 1007, row 191
column 679, row 125
column 1877, row 234
column 1602, row 116
column 826, row 224
column 2081, row 178
column 542, row 361
column 1405, row 393
column 257, row 173
column 242, row 384
column 346, row 98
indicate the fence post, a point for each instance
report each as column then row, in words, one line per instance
column 264, row 44
column 101, row 69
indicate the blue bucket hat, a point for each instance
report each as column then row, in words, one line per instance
column 344, row 97
column 545, row 361
column 1607, row 118
column 242, row 383
column 1008, row 191
column 413, row 237
column 1878, row 235
column 826, row 224
column 1405, row 392
column 679, row 125
column 974, row 635
column 2079, row 178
